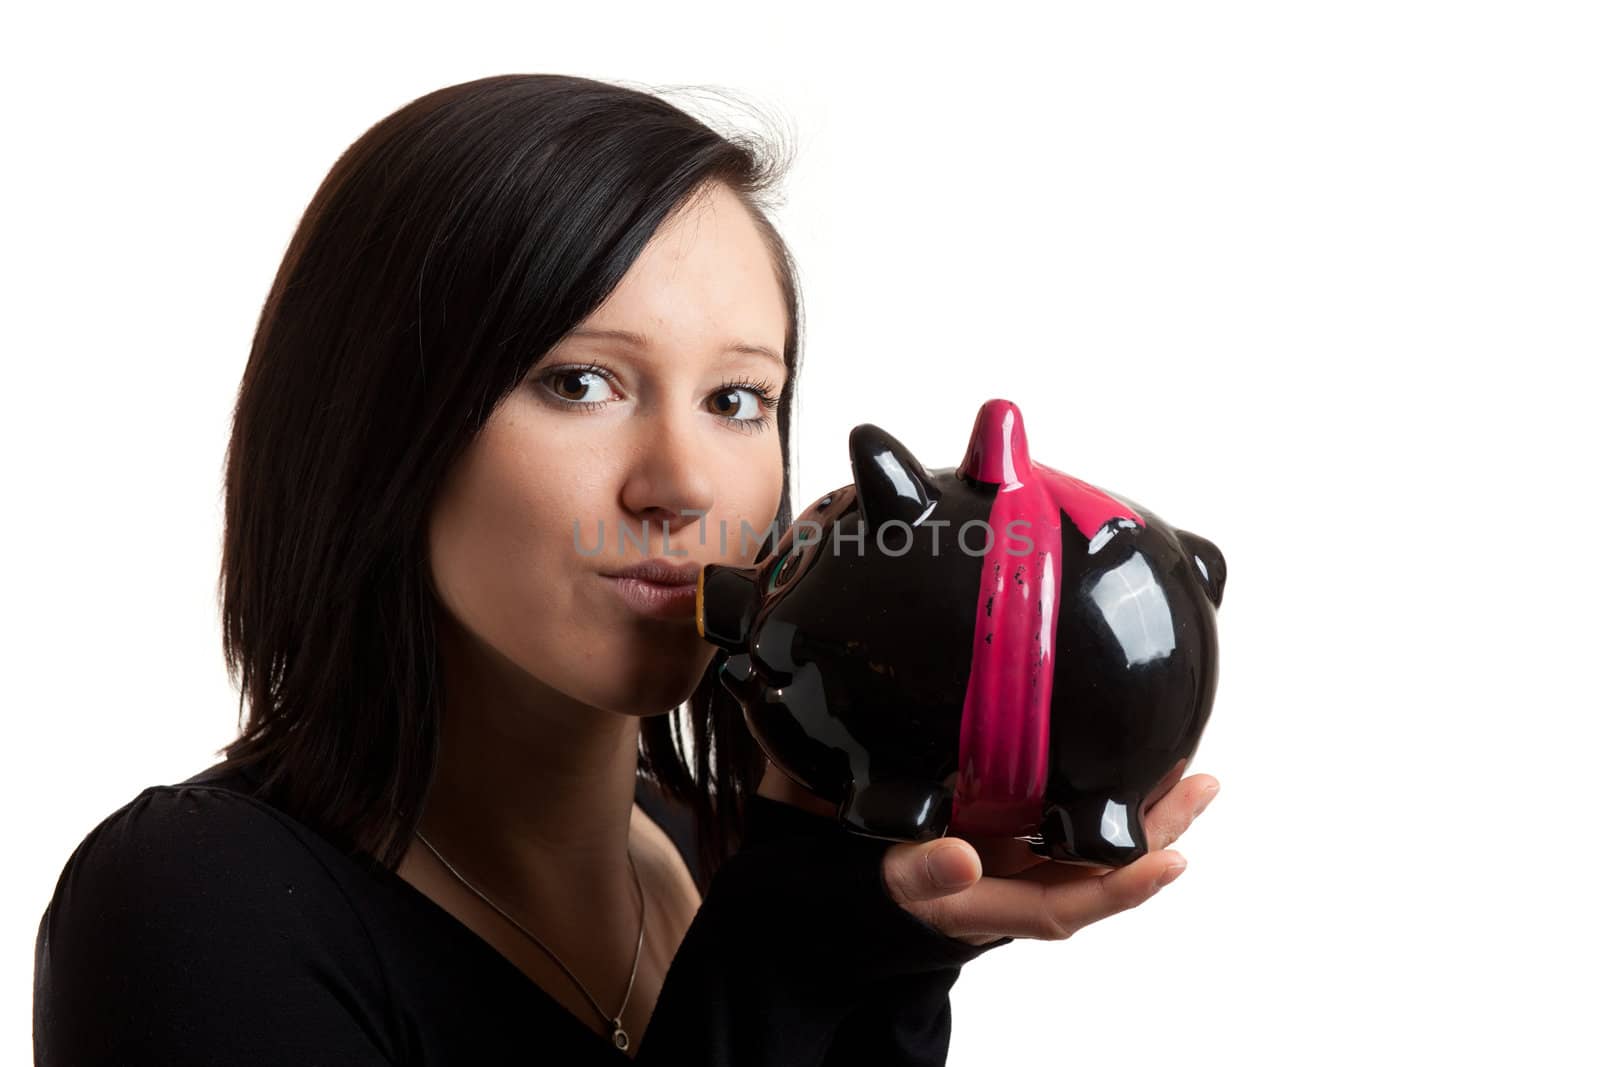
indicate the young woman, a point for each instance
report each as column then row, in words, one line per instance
column 486, row 775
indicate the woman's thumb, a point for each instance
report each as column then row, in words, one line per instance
column 930, row 869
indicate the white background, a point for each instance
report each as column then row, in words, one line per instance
column 1315, row 281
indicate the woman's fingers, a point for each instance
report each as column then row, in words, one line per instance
column 1044, row 910
column 997, row 887
column 940, row 882
column 1164, row 824
column 917, row 872
column 1174, row 813
column 1010, row 857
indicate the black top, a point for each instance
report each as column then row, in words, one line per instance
column 197, row 924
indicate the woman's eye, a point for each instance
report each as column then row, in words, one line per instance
column 748, row 411
column 574, row 386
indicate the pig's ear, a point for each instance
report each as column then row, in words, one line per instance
column 1207, row 562
column 890, row 483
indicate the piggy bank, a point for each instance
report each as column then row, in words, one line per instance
column 993, row 649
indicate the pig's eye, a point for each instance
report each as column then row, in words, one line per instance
column 784, row 570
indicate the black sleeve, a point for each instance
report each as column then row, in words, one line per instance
column 800, row 956
column 902, row 1022
column 193, row 927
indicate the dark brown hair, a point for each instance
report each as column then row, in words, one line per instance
column 444, row 254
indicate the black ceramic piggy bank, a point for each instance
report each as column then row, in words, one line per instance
column 993, row 649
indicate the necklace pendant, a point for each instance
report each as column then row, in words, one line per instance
column 619, row 1036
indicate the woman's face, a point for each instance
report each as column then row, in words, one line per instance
column 672, row 431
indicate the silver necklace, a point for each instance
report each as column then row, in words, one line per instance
column 619, row 1036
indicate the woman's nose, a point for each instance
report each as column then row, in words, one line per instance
column 670, row 483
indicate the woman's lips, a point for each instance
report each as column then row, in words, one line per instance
column 655, row 599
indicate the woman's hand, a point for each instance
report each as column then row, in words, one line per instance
column 1000, row 888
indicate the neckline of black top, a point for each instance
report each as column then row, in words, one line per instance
column 221, row 777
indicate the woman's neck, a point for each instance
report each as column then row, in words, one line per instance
column 533, row 794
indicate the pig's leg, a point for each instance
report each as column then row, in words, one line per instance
column 897, row 810
column 1098, row 830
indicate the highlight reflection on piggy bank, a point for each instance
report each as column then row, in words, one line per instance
column 992, row 649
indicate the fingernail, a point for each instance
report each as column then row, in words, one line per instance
column 948, row 867
column 1206, row 798
column 1170, row 875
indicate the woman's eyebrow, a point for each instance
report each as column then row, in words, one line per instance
column 638, row 340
